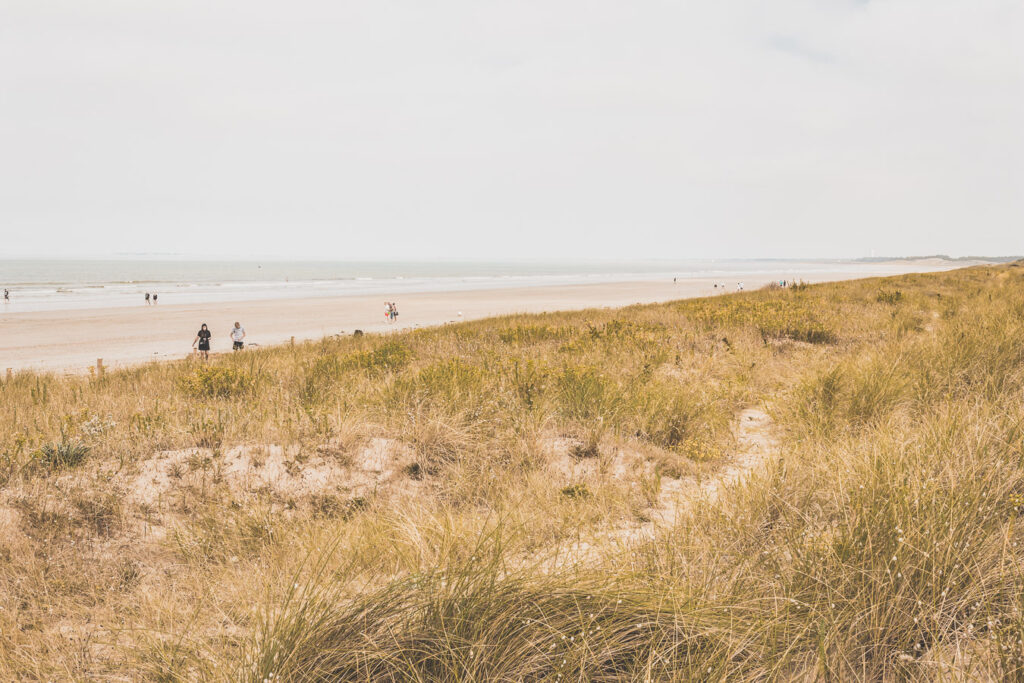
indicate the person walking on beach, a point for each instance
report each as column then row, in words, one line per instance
column 237, row 335
column 154, row 298
column 387, row 311
column 394, row 311
column 147, row 298
column 7, row 295
column 203, row 339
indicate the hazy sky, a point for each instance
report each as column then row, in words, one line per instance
column 536, row 128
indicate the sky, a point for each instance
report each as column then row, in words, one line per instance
column 493, row 129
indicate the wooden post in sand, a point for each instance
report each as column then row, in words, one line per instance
column 99, row 367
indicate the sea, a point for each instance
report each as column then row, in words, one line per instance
column 48, row 285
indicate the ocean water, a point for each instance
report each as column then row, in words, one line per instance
column 37, row 285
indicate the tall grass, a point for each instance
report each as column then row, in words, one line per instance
column 491, row 481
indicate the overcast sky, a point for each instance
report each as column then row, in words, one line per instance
column 489, row 129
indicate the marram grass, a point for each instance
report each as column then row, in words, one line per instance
column 882, row 542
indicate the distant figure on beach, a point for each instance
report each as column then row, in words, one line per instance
column 203, row 339
column 387, row 311
column 673, row 280
column 394, row 311
column 739, row 286
column 147, row 298
column 237, row 335
column 7, row 295
column 154, row 298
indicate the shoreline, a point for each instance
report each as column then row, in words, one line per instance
column 38, row 286
column 71, row 341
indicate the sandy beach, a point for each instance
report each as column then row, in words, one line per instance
column 72, row 341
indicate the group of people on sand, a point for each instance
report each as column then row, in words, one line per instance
column 203, row 339
column 150, row 299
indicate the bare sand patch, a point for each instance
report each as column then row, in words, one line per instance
column 288, row 473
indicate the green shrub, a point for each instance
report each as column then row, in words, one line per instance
column 387, row 357
column 217, row 381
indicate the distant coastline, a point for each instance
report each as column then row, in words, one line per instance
column 941, row 257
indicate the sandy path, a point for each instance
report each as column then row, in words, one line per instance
column 73, row 340
column 756, row 443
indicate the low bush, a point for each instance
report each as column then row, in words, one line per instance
column 218, row 381
column 385, row 357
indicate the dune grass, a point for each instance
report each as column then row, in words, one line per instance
column 469, row 463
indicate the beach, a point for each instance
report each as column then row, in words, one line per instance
column 73, row 340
